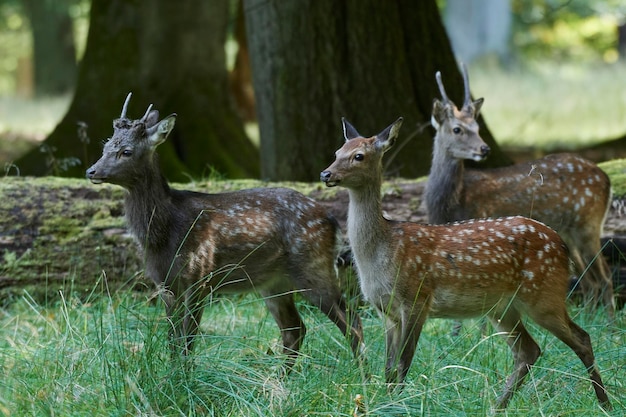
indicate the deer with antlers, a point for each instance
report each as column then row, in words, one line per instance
column 503, row 268
column 274, row 241
column 564, row 191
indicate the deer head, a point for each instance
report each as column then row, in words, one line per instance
column 357, row 156
column 131, row 147
column 457, row 130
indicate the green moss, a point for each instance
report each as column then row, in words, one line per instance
column 616, row 170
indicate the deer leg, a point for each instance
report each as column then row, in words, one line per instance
column 411, row 329
column 333, row 305
column 595, row 279
column 599, row 276
column 393, row 333
column 194, row 308
column 525, row 351
column 561, row 325
column 292, row 329
column 174, row 309
column 404, row 326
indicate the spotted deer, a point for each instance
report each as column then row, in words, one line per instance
column 274, row 241
column 564, row 191
column 502, row 268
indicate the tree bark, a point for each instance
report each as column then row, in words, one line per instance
column 167, row 53
column 54, row 51
column 314, row 61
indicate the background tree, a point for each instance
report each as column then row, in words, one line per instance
column 54, row 50
column 371, row 61
column 167, row 53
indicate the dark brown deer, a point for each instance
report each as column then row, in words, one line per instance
column 274, row 241
column 564, row 191
column 502, row 268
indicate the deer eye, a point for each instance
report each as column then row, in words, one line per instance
column 359, row 157
column 127, row 152
column 456, row 130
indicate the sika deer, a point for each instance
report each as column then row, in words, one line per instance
column 272, row 240
column 502, row 268
column 566, row 192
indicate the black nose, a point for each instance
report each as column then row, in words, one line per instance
column 485, row 150
column 325, row 176
column 91, row 172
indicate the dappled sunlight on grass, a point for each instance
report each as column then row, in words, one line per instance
column 549, row 105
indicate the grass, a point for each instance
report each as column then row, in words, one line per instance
column 107, row 356
column 550, row 105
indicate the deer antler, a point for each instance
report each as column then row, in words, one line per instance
column 145, row 116
column 467, row 103
column 125, row 107
column 442, row 90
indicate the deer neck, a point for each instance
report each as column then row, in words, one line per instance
column 148, row 207
column 444, row 187
column 366, row 225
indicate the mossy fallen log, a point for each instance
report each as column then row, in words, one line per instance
column 60, row 234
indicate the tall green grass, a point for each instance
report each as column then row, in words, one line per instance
column 108, row 356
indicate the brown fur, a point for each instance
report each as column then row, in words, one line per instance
column 566, row 192
column 503, row 268
column 274, row 241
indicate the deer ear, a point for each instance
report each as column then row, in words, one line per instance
column 386, row 138
column 349, row 132
column 477, row 104
column 439, row 114
column 158, row 133
column 152, row 118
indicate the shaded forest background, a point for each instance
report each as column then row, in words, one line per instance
column 367, row 61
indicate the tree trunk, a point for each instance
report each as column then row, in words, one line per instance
column 167, row 53
column 314, row 61
column 53, row 46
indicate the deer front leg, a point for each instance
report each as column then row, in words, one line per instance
column 402, row 332
column 393, row 333
column 411, row 329
column 292, row 329
column 174, row 309
column 193, row 310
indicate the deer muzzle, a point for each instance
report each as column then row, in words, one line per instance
column 326, row 178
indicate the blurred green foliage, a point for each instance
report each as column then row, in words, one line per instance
column 573, row 30
column 561, row 30
column 16, row 41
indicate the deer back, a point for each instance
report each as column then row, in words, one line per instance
column 562, row 190
column 468, row 267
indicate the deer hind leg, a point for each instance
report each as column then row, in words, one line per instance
column 599, row 273
column 595, row 283
column 292, row 328
column 561, row 325
column 321, row 289
column 525, row 351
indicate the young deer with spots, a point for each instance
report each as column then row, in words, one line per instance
column 564, row 191
column 274, row 241
column 503, row 268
